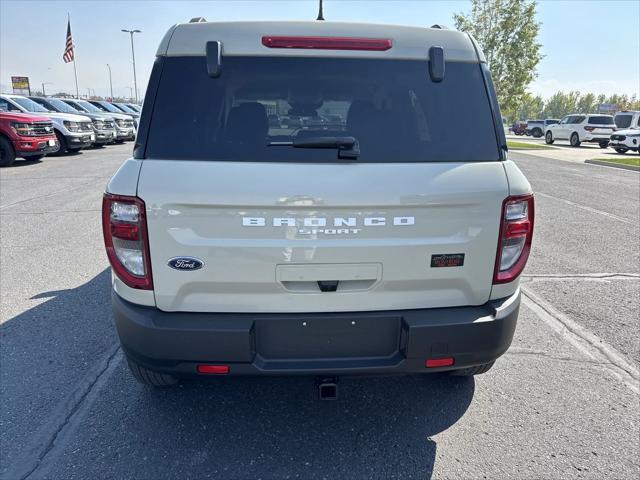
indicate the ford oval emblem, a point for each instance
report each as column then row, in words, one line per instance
column 185, row 263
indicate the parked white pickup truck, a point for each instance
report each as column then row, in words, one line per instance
column 381, row 245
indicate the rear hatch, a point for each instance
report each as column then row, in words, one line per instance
column 600, row 125
column 412, row 222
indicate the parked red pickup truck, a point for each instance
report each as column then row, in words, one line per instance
column 24, row 135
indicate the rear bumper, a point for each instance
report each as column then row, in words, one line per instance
column 597, row 137
column 388, row 342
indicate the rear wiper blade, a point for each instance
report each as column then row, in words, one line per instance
column 348, row 147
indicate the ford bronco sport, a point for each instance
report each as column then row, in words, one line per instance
column 382, row 245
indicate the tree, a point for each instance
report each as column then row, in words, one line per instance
column 561, row 104
column 507, row 32
column 530, row 108
column 587, row 104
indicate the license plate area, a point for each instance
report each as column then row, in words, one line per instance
column 339, row 336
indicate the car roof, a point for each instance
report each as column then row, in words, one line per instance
column 245, row 38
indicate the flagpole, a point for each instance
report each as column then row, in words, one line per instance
column 75, row 71
column 76, row 74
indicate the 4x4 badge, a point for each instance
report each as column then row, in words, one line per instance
column 185, row 263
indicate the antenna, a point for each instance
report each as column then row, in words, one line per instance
column 320, row 17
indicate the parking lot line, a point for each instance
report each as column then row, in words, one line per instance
column 584, row 340
column 584, row 207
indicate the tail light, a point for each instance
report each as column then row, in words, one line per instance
column 124, row 226
column 328, row 43
column 589, row 129
column 516, row 233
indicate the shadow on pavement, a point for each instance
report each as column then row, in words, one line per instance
column 277, row 428
column 21, row 162
column 47, row 352
column 380, row 427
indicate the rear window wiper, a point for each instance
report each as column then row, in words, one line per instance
column 348, row 147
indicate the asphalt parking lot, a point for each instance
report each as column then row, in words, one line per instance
column 562, row 403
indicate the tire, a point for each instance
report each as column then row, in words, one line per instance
column 574, row 140
column 537, row 133
column 548, row 138
column 471, row 371
column 63, row 144
column 621, row 150
column 7, row 153
column 603, row 144
column 149, row 377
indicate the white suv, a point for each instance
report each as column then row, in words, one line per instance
column 591, row 128
column 378, row 244
column 627, row 138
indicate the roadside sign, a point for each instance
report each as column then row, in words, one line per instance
column 607, row 108
column 20, row 85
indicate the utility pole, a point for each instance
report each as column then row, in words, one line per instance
column 110, row 83
column 133, row 56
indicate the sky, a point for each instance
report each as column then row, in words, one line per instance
column 589, row 45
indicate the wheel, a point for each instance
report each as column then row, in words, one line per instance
column 149, row 377
column 621, row 150
column 471, row 371
column 7, row 153
column 62, row 142
column 574, row 140
column 548, row 138
column 537, row 133
column 603, row 144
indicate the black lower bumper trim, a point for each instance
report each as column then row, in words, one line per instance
column 384, row 342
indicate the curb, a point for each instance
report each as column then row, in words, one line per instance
column 614, row 165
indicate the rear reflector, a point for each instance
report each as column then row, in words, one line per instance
column 328, row 43
column 213, row 369
column 438, row 362
column 125, row 231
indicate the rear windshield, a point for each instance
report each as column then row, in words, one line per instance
column 623, row 121
column 600, row 120
column 391, row 107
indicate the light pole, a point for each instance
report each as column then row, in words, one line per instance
column 110, row 83
column 133, row 55
column 43, row 84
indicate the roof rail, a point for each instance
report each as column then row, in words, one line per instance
column 197, row 20
column 441, row 27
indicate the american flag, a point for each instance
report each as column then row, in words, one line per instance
column 68, row 49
